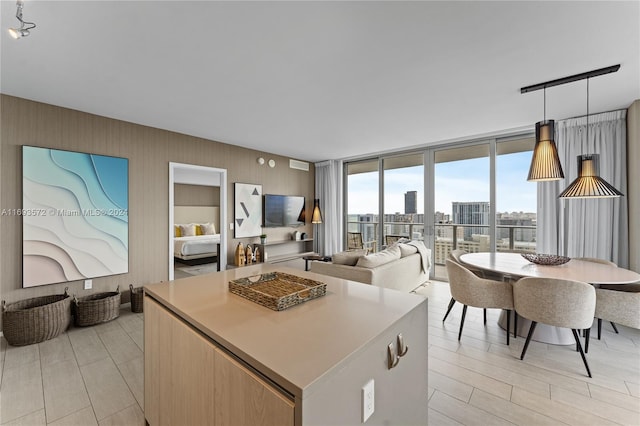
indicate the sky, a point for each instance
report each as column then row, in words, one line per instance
column 466, row 180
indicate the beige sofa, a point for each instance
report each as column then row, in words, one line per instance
column 402, row 267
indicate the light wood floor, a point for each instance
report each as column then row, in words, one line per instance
column 481, row 381
column 94, row 375
column 86, row 376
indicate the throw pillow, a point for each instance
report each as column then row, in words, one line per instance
column 377, row 259
column 208, row 229
column 349, row 258
column 188, row 230
column 178, row 232
column 406, row 249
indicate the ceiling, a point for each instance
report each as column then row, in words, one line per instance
column 324, row 80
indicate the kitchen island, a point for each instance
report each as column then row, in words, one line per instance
column 212, row 357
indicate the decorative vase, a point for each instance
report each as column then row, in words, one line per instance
column 263, row 240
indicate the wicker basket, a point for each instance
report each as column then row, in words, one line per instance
column 277, row 290
column 97, row 308
column 37, row 319
column 137, row 297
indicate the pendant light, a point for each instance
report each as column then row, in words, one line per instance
column 589, row 184
column 545, row 163
column 316, row 217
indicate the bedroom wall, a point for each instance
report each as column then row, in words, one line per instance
column 149, row 151
column 196, row 195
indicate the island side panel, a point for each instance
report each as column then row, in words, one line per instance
column 401, row 394
column 179, row 371
column 243, row 398
column 189, row 380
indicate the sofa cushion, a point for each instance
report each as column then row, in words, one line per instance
column 382, row 257
column 406, row 249
column 349, row 258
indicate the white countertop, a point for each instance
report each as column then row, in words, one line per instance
column 295, row 347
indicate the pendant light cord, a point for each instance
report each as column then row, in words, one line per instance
column 587, row 145
column 544, row 103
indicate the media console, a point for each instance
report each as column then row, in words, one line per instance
column 286, row 250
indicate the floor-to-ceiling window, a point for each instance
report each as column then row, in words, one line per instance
column 472, row 196
column 462, row 201
column 362, row 204
column 516, row 198
column 403, row 197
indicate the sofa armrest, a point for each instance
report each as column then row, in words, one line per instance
column 404, row 274
column 352, row 273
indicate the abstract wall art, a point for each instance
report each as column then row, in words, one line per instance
column 247, row 210
column 75, row 218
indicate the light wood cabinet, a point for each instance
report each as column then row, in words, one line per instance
column 188, row 380
column 212, row 357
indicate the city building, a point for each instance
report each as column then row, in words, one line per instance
column 411, row 202
column 471, row 213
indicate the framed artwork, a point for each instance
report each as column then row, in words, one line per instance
column 247, row 210
column 75, row 217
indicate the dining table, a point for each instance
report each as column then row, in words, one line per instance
column 513, row 266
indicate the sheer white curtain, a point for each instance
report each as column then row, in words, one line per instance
column 587, row 227
column 328, row 235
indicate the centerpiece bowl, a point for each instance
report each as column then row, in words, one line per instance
column 546, row 259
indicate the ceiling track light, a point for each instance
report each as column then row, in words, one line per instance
column 25, row 26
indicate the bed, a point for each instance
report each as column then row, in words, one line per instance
column 196, row 246
column 196, row 234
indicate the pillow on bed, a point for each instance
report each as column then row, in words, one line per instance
column 188, row 230
column 208, row 228
column 177, row 231
column 199, row 229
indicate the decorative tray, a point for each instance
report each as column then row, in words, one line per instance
column 277, row 290
column 546, row 259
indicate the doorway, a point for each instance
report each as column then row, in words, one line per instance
column 189, row 174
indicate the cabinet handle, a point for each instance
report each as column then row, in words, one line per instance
column 392, row 358
column 402, row 348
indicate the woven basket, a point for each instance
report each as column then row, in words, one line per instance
column 37, row 319
column 277, row 290
column 137, row 297
column 97, row 308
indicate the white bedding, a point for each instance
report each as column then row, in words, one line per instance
column 199, row 244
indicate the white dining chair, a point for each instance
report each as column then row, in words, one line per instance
column 556, row 302
column 471, row 290
column 616, row 303
column 454, row 255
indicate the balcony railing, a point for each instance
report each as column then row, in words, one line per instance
column 471, row 238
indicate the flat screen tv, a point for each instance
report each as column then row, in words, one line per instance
column 283, row 210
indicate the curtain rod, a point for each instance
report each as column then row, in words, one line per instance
column 570, row 79
column 594, row 114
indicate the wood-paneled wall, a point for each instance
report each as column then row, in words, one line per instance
column 196, row 195
column 149, row 151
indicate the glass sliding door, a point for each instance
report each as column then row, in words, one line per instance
column 362, row 205
column 462, row 195
column 472, row 196
column 403, row 198
column 516, row 199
